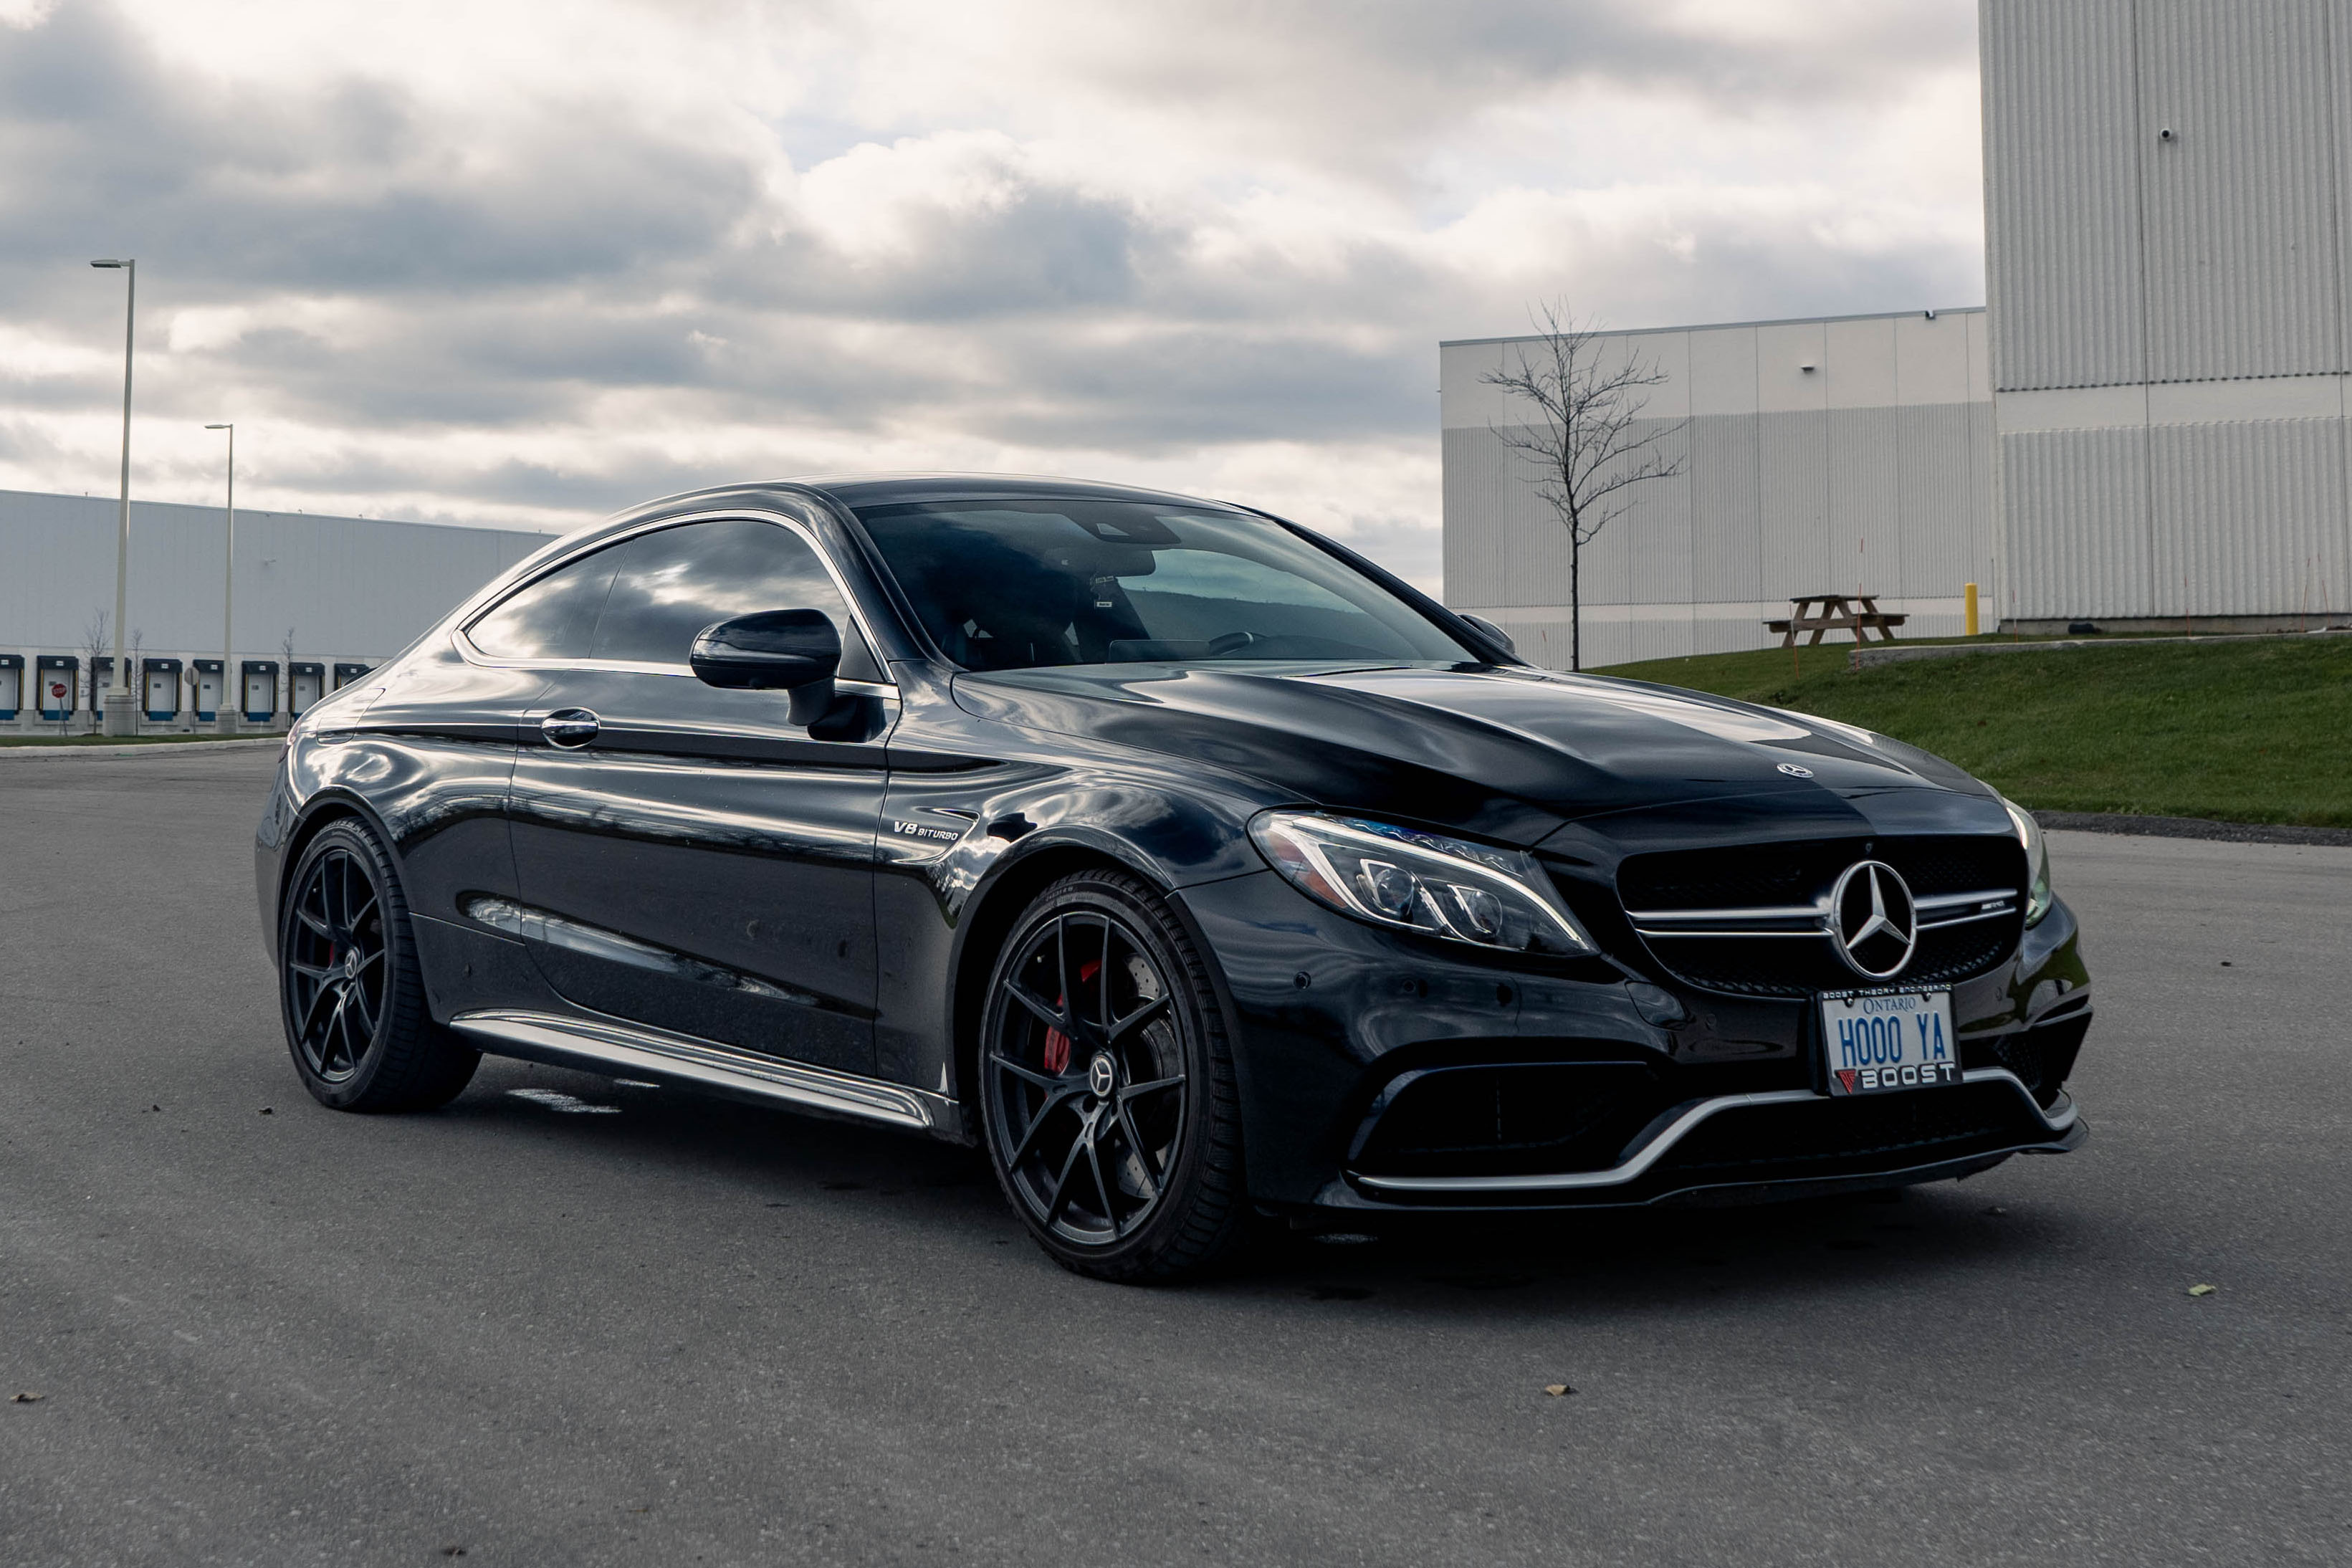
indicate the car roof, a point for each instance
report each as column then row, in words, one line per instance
column 858, row 490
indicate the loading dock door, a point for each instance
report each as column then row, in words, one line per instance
column 162, row 688
column 260, row 692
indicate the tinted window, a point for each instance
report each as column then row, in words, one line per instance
column 1014, row 583
column 554, row 617
column 676, row 581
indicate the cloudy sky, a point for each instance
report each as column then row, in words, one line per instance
column 526, row 263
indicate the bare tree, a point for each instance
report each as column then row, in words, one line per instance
column 93, row 648
column 1583, row 437
column 286, row 674
column 134, row 680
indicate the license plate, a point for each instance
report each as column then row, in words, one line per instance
column 1879, row 1042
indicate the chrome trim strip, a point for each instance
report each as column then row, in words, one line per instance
column 1953, row 900
column 1812, row 911
column 2057, row 1122
column 608, row 1046
column 1819, row 912
column 1695, row 931
column 1949, row 920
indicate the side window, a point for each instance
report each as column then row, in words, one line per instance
column 553, row 617
column 676, row 581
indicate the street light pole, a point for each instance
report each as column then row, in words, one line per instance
column 228, row 594
column 122, row 717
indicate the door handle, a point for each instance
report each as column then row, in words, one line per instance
column 569, row 727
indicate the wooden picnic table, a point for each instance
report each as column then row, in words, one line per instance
column 1855, row 613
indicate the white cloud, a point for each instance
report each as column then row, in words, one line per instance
column 519, row 262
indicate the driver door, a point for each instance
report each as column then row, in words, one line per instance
column 692, row 860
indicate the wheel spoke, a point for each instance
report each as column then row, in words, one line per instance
column 1136, row 1092
column 1102, row 975
column 361, row 1005
column 1053, row 1017
column 1142, row 1154
column 1053, row 1101
column 359, row 1023
column 309, row 970
column 331, row 1032
column 317, row 923
column 1069, row 972
column 1094, row 1161
column 310, row 1012
column 1062, row 1182
column 1136, row 1019
column 1044, row 1080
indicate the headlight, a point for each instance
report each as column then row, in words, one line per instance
column 1419, row 881
column 2037, row 860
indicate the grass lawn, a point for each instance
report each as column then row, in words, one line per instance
column 2250, row 731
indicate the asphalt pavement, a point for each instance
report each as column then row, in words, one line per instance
column 569, row 1322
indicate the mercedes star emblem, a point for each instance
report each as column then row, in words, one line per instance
column 1795, row 771
column 1872, row 920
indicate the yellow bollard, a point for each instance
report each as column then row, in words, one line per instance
column 1972, row 609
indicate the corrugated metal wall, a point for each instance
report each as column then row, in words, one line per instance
column 2062, row 193
column 348, row 586
column 2167, row 207
column 2241, row 220
column 2088, row 551
column 2248, row 518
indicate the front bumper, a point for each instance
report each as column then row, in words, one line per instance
column 1778, row 1144
column 1382, row 1071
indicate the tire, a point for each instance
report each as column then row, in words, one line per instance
column 1108, row 1096
column 349, row 987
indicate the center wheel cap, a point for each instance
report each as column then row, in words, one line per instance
column 1102, row 1075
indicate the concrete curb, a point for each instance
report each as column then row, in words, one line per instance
column 151, row 749
column 1881, row 653
column 2192, row 828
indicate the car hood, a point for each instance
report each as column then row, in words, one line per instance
column 1508, row 752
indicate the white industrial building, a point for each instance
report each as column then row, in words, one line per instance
column 345, row 592
column 2154, row 429
column 1815, row 456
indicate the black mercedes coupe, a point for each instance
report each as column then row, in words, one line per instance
column 1200, row 869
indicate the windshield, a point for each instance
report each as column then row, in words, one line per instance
column 1014, row 585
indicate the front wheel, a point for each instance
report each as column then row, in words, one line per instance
column 349, row 986
column 1107, row 1085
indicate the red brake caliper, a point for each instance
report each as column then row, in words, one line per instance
column 1057, row 1044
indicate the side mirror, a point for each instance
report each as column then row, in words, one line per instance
column 1492, row 630
column 795, row 651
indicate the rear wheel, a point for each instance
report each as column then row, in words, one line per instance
column 349, row 986
column 1107, row 1085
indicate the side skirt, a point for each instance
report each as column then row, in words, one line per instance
column 612, row 1048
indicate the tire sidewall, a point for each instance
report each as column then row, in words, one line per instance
column 1142, row 913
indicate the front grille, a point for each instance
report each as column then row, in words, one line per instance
column 1867, row 1133
column 1511, row 1118
column 1769, row 894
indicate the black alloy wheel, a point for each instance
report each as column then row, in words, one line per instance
column 334, row 966
column 1107, row 1088
column 349, row 987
